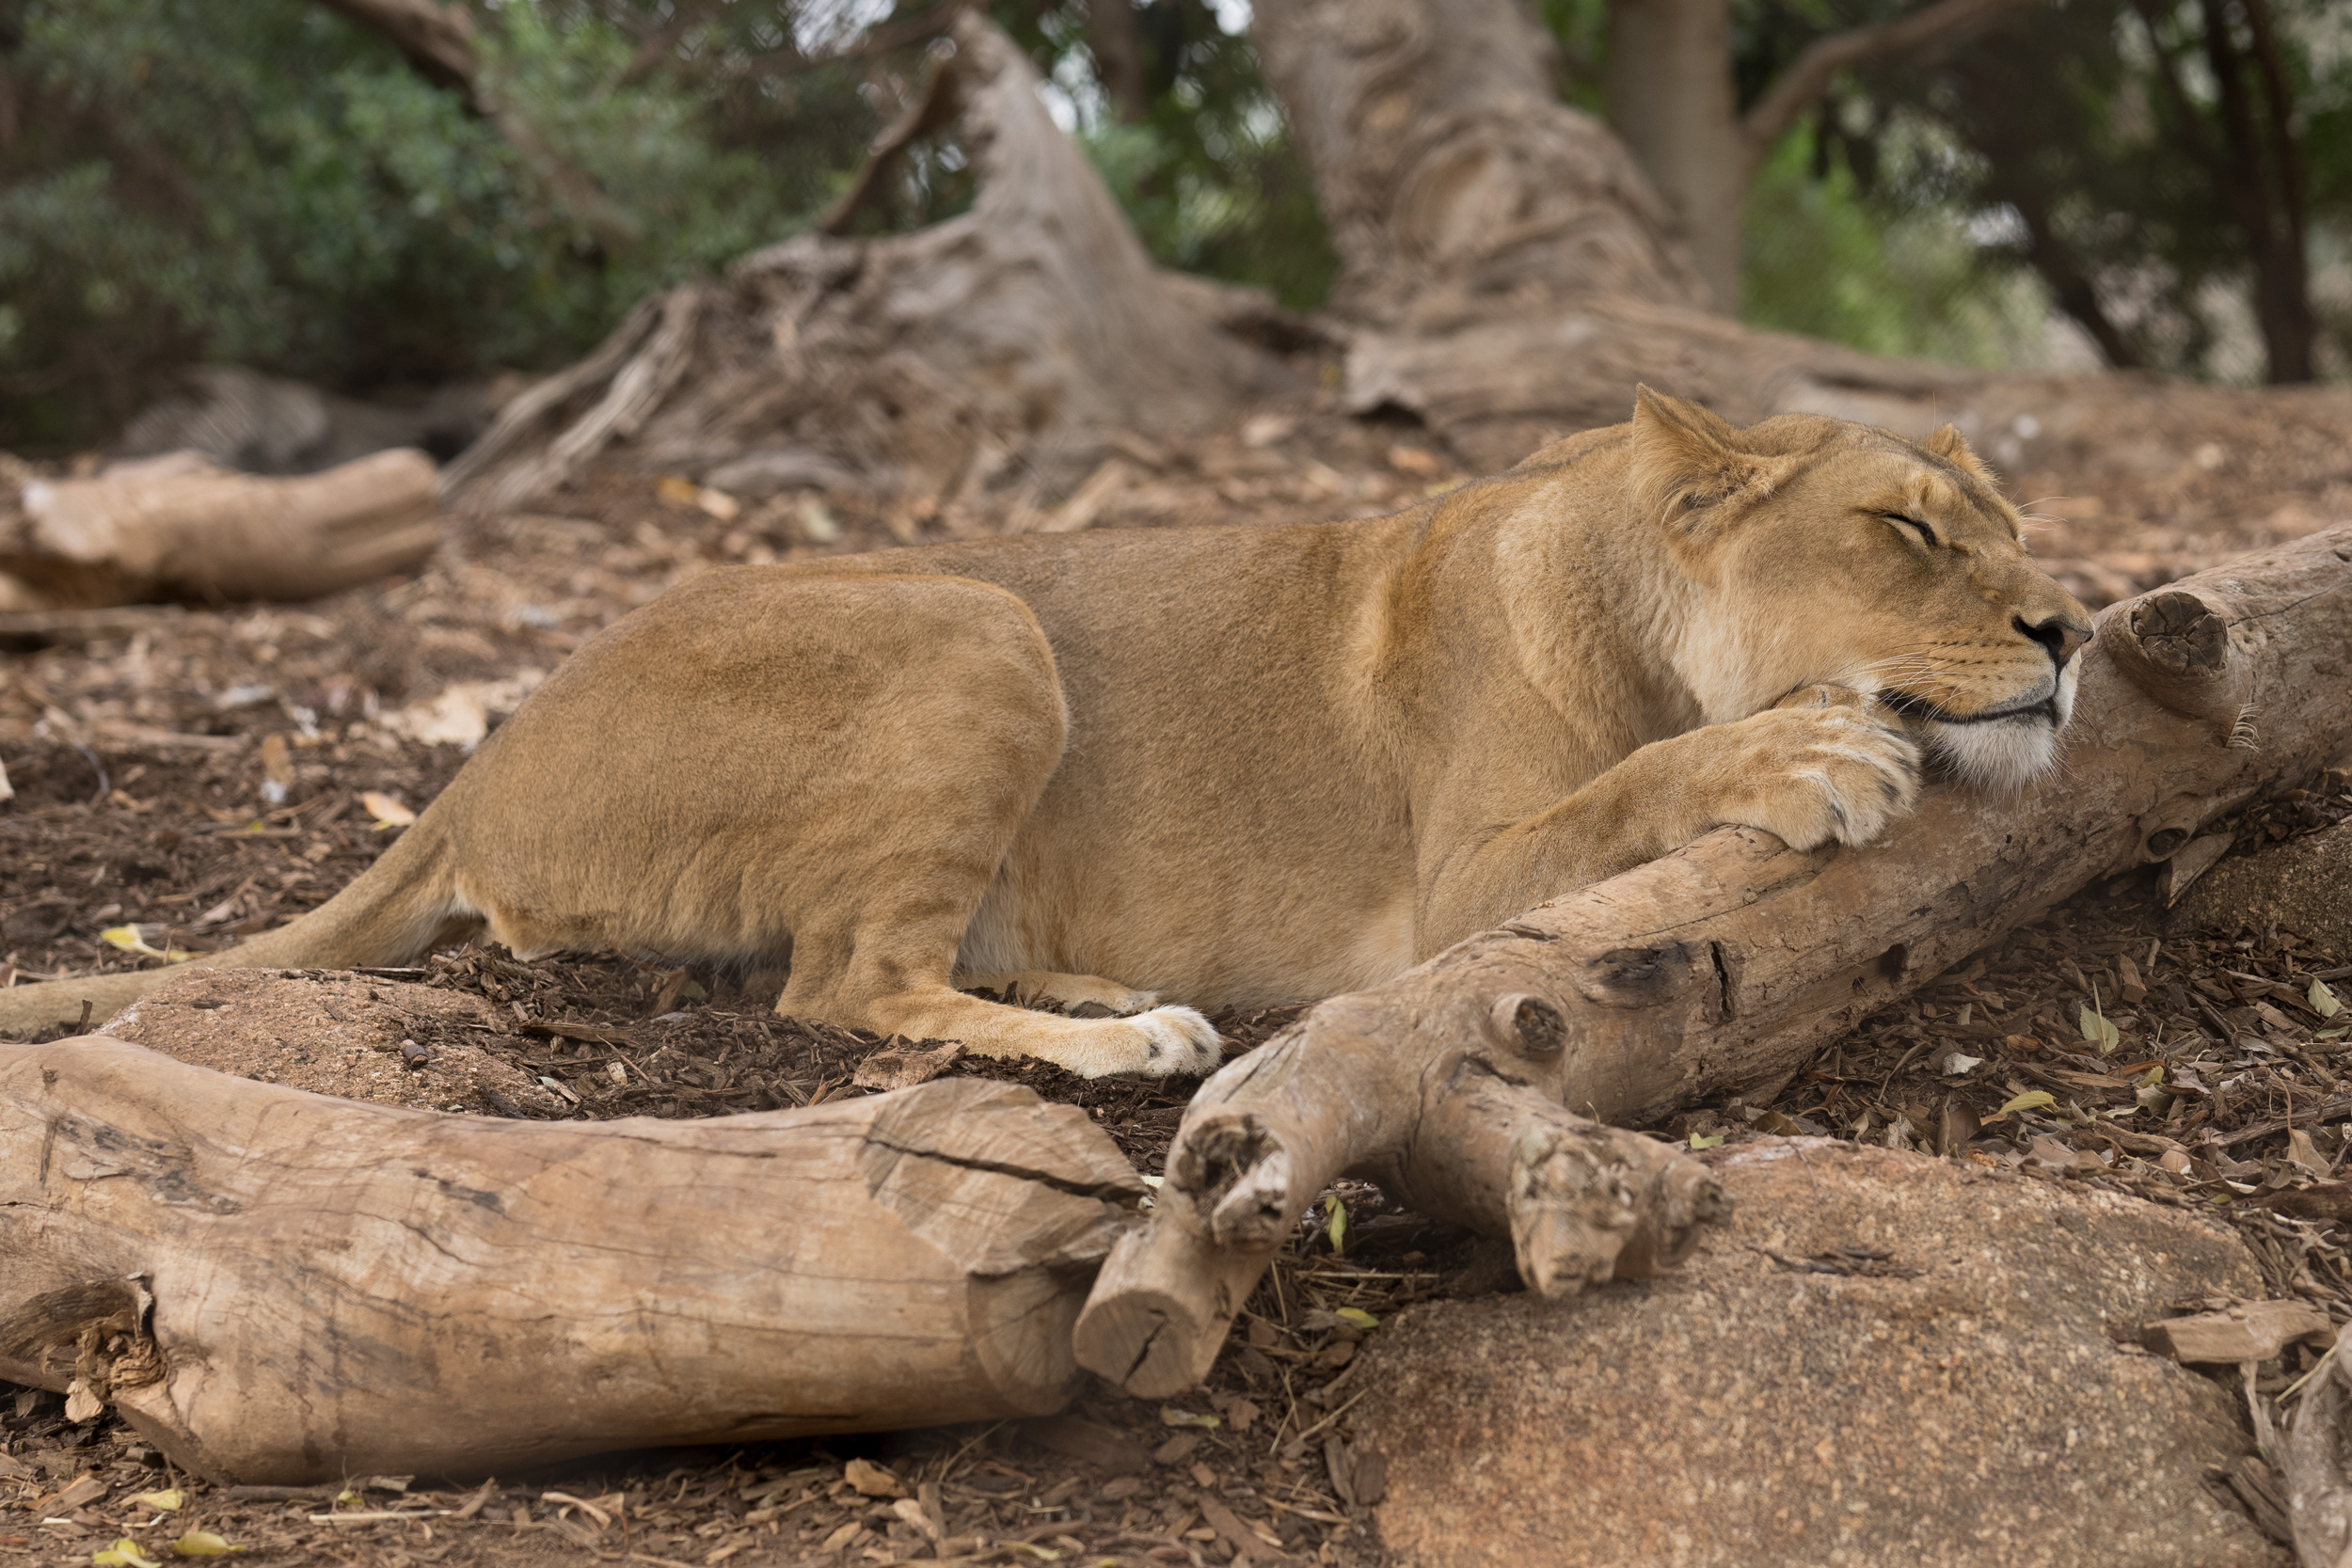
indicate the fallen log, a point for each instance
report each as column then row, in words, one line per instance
column 1724, row 964
column 280, row 1286
column 178, row 527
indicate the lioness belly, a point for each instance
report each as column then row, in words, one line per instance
column 1221, row 828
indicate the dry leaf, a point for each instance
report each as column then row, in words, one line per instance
column 2303, row 1152
column 124, row 1553
column 2098, row 1031
column 277, row 774
column 203, row 1542
column 817, row 521
column 168, row 1502
column 387, row 810
column 2032, row 1099
column 903, row 1070
column 2323, row 1001
column 871, row 1480
column 130, row 941
column 83, row 1405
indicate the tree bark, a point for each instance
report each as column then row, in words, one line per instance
column 995, row 353
column 1670, row 96
column 178, row 527
column 1509, row 274
column 278, row 1286
column 1725, row 964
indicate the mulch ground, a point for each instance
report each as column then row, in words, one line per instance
column 203, row 775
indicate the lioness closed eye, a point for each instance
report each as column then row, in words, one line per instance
column 1234, row 766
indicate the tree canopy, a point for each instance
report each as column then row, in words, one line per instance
column 278, row 185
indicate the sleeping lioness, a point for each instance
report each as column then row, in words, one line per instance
column 1233, row 765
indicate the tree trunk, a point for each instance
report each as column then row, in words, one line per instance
column 1509, row 272
column 279, row 1286
column 1725, row 964
column 1117, row 45
column 1671, row 98
column 999, row 351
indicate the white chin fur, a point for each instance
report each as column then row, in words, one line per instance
column 2008, row 754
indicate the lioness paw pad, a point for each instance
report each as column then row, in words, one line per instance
column 1180, row 1041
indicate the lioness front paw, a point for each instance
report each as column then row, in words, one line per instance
column 1181, row 1041
column 1826, row 763
column 1160, row 1044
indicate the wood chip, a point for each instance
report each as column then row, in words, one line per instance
column 2255, row 1331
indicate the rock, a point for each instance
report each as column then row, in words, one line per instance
column 333, row 1034
column 2299, row 886
column 1885, row 1358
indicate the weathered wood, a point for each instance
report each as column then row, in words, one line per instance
column 279, row 1286
column 177, row 527
column 1728, row 962
column 2316, row 1466
column 998, row 352
column 2250, row 1331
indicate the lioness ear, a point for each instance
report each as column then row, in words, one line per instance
column 1952, row 447
column 1688, row 463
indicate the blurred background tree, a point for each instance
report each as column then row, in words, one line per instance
column 302, row 187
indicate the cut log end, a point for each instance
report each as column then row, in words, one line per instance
column 1234, row 1170
column 1161, row 1308
column 2174, row 644
column 1589, row 1203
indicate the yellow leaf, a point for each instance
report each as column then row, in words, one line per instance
column 168, row 1501
column 387, row 810
column 2032, row 1099
column 1700, row 1140
column 2098, row 1031
column 1358, row 1316
column 128, row 939
column 2323, row 1001
column 1337, row 1229
column 203, row 1542
column 1171, row 1416
column 123, row 1554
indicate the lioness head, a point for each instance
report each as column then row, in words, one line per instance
column 1822, row 551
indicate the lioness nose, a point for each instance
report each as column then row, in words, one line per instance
column 2063, row 638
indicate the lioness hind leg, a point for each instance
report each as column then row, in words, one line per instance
column 1074, row 991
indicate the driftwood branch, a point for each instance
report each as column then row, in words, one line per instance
column 176, row 526
column 279, row 1286
column 1722, row 965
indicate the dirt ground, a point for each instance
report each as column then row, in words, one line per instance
column 199, row 775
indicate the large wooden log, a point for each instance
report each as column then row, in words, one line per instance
column 279, row 1287
column 177, row 527
column 1724, row 964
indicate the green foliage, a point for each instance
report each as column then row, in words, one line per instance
column 267, row 184
column 1824, row 259
column 2138, row 206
